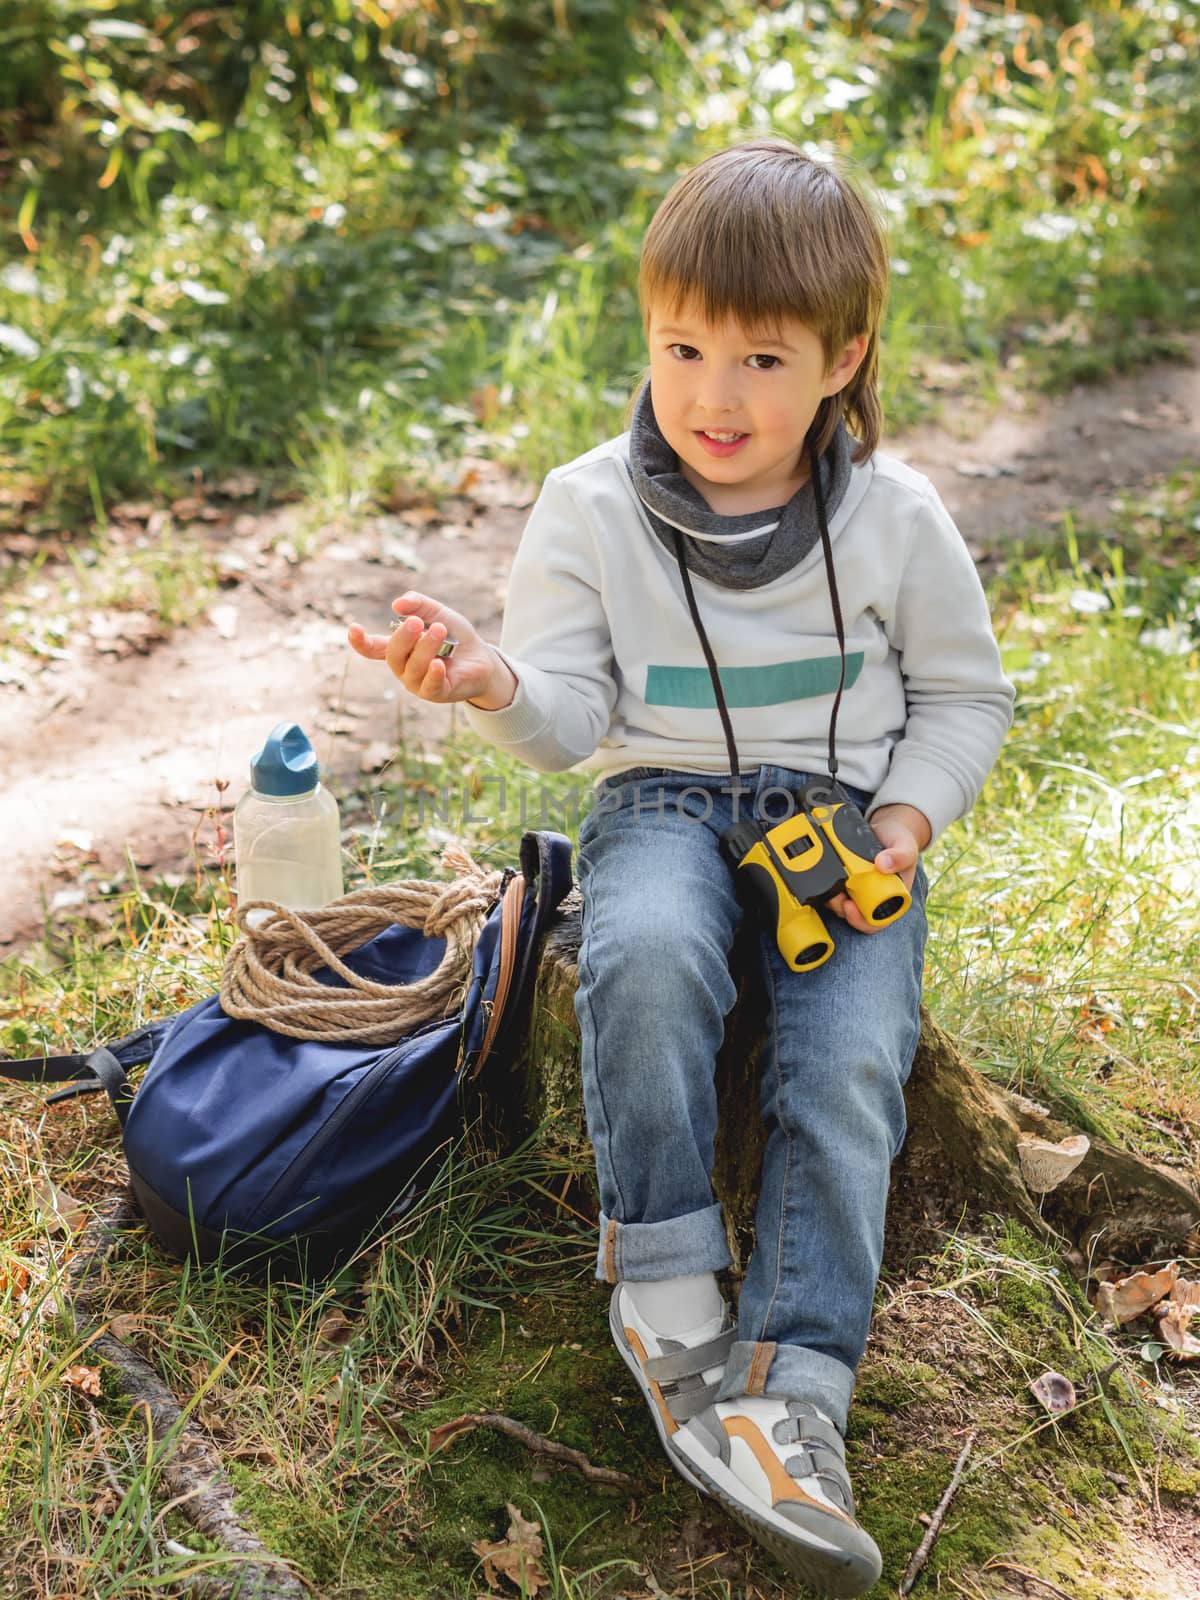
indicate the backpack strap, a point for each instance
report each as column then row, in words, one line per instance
column 102, row 1068
column 546, row 866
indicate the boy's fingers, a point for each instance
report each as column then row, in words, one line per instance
column 413, row 604
column 399, row 653
column 413, row 658
column 902, row 863
column 424, row 651
column 897, row 847
column 896, row 858
column 842, row 906
column 433, row 685
column 371, row 645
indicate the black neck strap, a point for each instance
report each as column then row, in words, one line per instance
column 838, row 625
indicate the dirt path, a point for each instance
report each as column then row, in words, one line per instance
column 105, row 756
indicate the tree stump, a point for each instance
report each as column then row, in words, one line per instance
column 959, row 1161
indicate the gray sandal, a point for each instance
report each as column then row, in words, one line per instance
column 671, row 1379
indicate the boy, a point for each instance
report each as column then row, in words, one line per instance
column 762, row 281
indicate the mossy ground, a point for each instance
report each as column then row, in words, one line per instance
column 954, row 1345
column 327, row 1442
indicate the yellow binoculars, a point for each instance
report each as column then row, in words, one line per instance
column 789, row 869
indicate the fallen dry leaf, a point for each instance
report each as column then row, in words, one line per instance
column 85, row 1379
column 439, row 1438
column 517, row 1557
column 14, row 1278
column 59, row 1210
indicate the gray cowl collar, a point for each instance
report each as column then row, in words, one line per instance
column 743, row 552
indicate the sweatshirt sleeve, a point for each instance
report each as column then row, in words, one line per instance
column 960, row 704
column 555, row 637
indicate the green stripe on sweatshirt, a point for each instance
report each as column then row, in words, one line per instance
column 771, row 685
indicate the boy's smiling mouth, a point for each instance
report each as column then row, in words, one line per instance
column 720, row 442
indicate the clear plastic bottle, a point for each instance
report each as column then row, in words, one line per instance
column 286, row 831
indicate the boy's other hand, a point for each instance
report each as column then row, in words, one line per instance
column 473, row 672
column 903, row 832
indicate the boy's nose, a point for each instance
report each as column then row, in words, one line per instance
column 718, row 394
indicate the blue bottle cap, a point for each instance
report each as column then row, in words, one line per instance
column 286, row 764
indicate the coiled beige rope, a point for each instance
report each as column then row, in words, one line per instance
column 268, row 975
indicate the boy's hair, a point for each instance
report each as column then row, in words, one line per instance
column 760, row 232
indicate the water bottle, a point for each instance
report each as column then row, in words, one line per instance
column 286, row 833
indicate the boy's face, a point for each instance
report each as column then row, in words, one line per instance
column 735, row 404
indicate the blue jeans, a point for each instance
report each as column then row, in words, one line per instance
column 660, row 910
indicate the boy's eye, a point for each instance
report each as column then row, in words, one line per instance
column 688, row 352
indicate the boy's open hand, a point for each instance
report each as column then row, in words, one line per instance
column 411, row 651
column 903, row 831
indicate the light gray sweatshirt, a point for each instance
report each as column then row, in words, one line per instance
column 611, row 673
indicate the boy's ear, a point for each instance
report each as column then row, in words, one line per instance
column 847, row 364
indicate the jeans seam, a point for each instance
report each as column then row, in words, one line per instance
column 787, row 1163
column 586, row 972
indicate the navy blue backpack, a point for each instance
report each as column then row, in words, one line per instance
column 258, row 1149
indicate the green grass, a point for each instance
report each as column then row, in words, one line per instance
column 355, row 286
column 1059, row 910
column 1061, row 906
column 1033, row 166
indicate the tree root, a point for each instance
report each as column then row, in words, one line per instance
column 190, row 1466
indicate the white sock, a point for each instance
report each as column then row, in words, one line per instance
column 678, row 1305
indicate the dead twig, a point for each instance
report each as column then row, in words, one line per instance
column 190, row 1466
column 939, row 1516
column 439, row 1438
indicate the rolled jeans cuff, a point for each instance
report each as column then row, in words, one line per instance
column 790, row 1372
column 645, row 1251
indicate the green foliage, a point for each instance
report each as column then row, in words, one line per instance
column 1058, row 909
column 382, row 233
